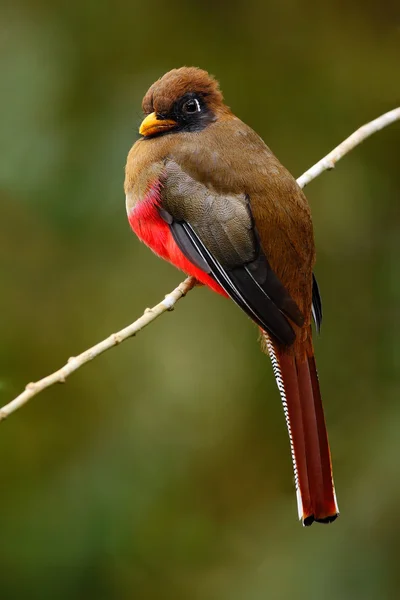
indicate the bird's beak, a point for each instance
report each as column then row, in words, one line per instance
column 153, row 124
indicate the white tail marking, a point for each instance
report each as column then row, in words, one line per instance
column 281, row 387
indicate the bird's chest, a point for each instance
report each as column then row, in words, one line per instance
column 145, row 220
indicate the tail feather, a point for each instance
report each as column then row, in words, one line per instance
column 297, row 381
column 327, row 477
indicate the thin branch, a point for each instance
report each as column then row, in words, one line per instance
column 329, row 161
column 75, row 362
column 150, row 314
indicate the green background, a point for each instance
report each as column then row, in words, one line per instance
column 162, row 469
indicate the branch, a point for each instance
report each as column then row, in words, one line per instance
column 150, row 314
column 75, row 362
column 329, row 161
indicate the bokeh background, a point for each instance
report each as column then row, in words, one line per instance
column 162, row 469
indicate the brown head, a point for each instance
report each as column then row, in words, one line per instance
column 185, row 99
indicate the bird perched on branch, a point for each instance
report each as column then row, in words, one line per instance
column 204, row 192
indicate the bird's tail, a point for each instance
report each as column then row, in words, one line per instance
column 297, row 380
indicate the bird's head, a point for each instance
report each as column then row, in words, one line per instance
column 185, row 99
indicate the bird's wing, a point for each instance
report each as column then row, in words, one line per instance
column 316, row 304
column 217, row 233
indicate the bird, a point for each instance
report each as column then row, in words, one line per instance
column 205, row 193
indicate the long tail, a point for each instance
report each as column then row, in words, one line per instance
column 297, row 380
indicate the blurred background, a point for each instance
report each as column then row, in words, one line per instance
column 162, row 469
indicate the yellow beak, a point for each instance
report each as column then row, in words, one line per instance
column 152, row 124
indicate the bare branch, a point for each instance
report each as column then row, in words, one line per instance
column 329, row 161
column 75, row 362
column 150, row 314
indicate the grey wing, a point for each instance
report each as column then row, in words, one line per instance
column 217, row 233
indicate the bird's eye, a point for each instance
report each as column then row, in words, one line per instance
column 191, row 106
